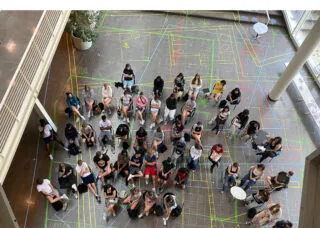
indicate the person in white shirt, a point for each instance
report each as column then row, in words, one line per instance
column 45, row 187
column 48, row 136
column 88, row 96
column 170, row 204
column 195, row 86
column 155, row 108
column 195, row 154
column 87, row 177
column 106, row 96
column 105, row 126
column 221, row 119
column 125, row 103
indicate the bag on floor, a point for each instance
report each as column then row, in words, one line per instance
column 57, row 206
column 162, row 148
column 158, row 210
column 187, row 137
column 186, row 97
column 135, row 89
column 96, row 108
column 251, row 213
column 133, row 213
column 176, row 212
column 222, row 104
column 73, row 149
column 82, row 188
column 89, row 143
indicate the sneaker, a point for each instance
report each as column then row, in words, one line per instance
column 142, row 122
column 114, row 214
column 210, row 122
column 65, row 148
column 104, row 216
column 151, row 125
column 64, row 197
column 165, row 123
column 77, row 120
column 103, row 111
column 130, row 177
column 141, row 215
column 65, row 206
column 98, row 198
column 50, row 156
column 75, row 195
column 211, row 169
column 164, row 221
column 154, row 190
column 82, row 117
column 147, row 182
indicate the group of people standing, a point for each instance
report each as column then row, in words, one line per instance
column 144, row 161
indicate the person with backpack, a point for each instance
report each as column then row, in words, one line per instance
column 165, row 173
column 58, row 202
column 74, row 105
column 72, row 141
column 48, row 136
column 87, row 177
column 170, row 204
column 134, row 202
column 181, row 177
column 150, row 199
column 194, row 156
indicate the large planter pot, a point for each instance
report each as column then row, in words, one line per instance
column 79, row 44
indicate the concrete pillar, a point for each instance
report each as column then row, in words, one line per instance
column 7, row 218
column 300, row 58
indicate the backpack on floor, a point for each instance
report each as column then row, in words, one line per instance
column 89, row 143
column 187, row 137
column 186, row 97
column 82, row 188
column 222, row 104
column 135, row 89
column 162, row 148
column 57, row 205
column 158, row 210
column 74, row 149
column 251, row 213
column 133, row 213
column 176, row 212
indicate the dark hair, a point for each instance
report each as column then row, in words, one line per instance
column 278, row 138
column 156, row 97
column 236, row 89
column 141, row 129
column 98, row 153
column 126, row 91
column 223, row 82
column 192, row 98
column 172, row 95
column 199, row 123
column 79, row 162
column 61, row 164
column 127, row 65
column 141, row 93
column 180, row 74
column 103, row 117
column 43, row 122
column 198, row 146
column 236, row 164
column 108, row 186
column 226, row 107
column 68, row 93
column 39, row 180
column 194, row 79
column 219, row 145
column 68, row 125
column 261, row 166
column 290, row 173
column 169, row 159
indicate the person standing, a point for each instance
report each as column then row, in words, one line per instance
column 221, row 119
column 215, row 155
column 170, row 109
column 194, row 157
column 128, row 77
column 230, row 176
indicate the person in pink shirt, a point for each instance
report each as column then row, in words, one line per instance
column 141, row 104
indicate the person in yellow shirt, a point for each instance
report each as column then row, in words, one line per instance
column 217, row 90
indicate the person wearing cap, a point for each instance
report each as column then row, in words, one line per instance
column 165, row 173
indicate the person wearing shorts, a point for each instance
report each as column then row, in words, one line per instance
column 155, row 108
column 87, row 178
column 150, row 161
column 121, row 166
column 135, row 167
column 141, row 104
column 141, row 139
column 165, row 173
column 125, row 103
column 128, row 77
column 87, row 134
column 110, row 195
column 181, row 177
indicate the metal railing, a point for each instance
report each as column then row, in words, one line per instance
column 23, row 90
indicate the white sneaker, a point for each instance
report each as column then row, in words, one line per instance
column 133, row 186
column 154, row 190
column 164, row 221
column 65, row 206
column 124, row 119
column 50, row 156
column 75, row 195
column 104, row 216
column 147, row 182
column 77, row 120
column 152, row 125
column 88, row 114
column 130, row 177
column 64, row 197
column 65, row 148
column 142, row 122
column 140, row 216
column 82, row 117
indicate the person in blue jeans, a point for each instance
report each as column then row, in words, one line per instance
column 255, row 173
column 195, row 154
column 230, row 176
column 74, row 105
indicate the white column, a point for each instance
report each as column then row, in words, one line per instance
column 43, row 114
column 300, row 58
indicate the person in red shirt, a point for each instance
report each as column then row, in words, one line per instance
column 215, row 156
column 181, row 177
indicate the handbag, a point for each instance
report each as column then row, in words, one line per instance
column 162, row 148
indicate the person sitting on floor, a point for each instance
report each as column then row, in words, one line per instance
column 133, row 200
column 271, row 148
column 122, row 132
column 170, row 204
column 165, row 173
column 102, row 163
column 141, row 139
column 135, row 167
column 181, row 177
column 257, row 199
column 280, row 181
column 158, row 84
column 45, row 187
column 234, row 96
column 150, row 200
column 71, row 134
column 74, row 105
column 67, row 179
column 272, row 213
column 110, row 195
column 121, row 166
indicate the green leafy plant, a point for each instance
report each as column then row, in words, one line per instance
column 82, row 24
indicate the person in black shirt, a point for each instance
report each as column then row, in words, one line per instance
column 165, row 173
column 102, row 162
column 67, row 179
column 171, row 107
column 239, row 122
column 158, row 84
column 196, row 131
column 234, row 96
column 282, row 224
column 179, row 86
column 122, row 132
column 110, row 194
column 251, row 131
column 141, row 139
column 71, row 134
column 177, row 133
column 280, row 181
column 135, row 166
column 128, row 77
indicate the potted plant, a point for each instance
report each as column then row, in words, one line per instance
column 81, row 25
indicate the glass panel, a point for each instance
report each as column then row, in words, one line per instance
column 306, row 27
column 294, row 17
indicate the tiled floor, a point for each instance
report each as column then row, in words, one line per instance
column 163, row 44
